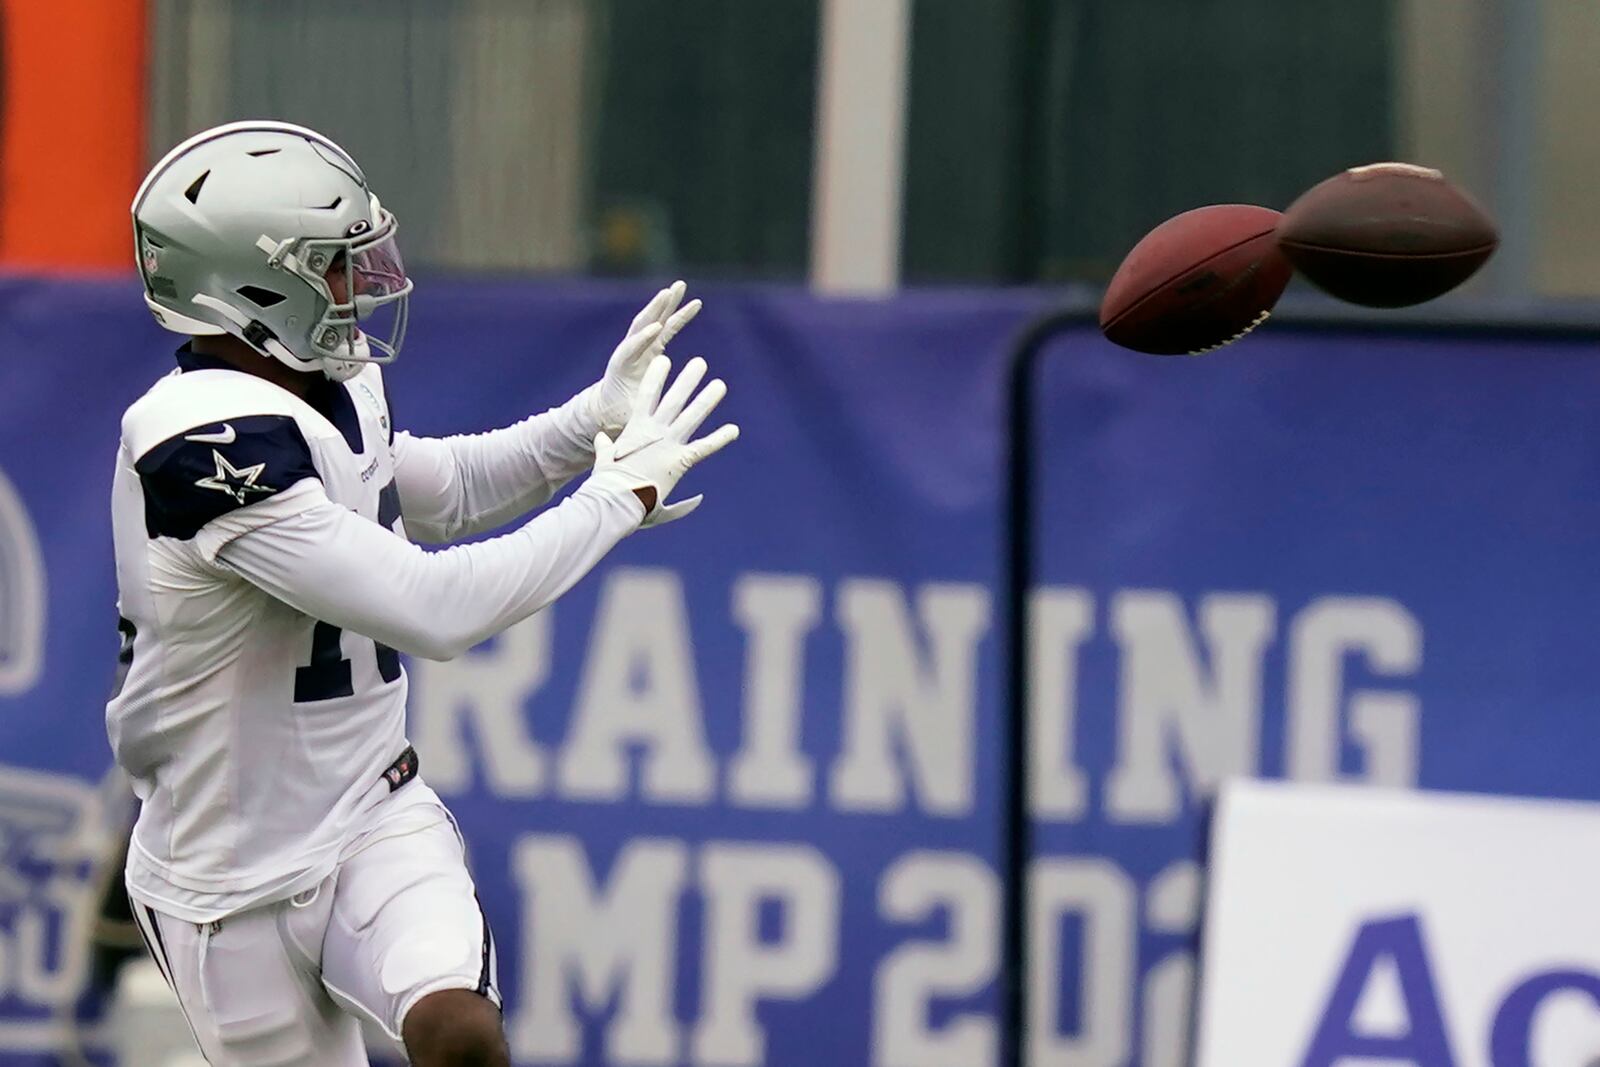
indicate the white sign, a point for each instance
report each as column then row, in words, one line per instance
column 1358, row 927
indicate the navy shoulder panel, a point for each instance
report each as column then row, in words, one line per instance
column 207, row 471
column 332, row 399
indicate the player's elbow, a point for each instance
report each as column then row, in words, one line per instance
column 439, row 641
column 437, row 647
column 431, row 649
column 429, row 533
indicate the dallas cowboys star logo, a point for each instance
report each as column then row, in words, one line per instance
column 235, row 481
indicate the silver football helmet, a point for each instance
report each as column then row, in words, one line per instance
column 268, row 231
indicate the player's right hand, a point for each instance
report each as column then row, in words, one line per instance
column 654, row 450
column 648, row 335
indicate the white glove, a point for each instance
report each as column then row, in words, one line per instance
column 654, row 449
column 655, row 325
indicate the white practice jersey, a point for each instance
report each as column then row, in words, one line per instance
column 265, row 587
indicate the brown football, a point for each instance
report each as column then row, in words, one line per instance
column 1387, row 235
column 1196, row 282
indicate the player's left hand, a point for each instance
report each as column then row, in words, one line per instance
column 648, row 335
column 655, row 449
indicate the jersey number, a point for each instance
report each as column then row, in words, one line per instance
column 327, row 676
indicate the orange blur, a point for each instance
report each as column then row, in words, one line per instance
column 71, row 132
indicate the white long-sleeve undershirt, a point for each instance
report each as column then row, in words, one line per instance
column 334, row 565
column 452, row 487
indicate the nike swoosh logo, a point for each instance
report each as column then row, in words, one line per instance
column 224, row 438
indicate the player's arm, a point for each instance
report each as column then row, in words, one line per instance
column 245, row 496
column 335, row 566
column 456, row 486
column 453, row 487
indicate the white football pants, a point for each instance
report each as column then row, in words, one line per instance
column 285, row 983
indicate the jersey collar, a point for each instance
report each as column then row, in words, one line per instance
column 327, row 396
column 189, row 359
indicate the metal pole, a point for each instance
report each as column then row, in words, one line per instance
column 858, row 176
column 1017, row 581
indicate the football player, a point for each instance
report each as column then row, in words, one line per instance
column 289, row 869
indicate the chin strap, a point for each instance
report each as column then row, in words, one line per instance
column 253, row 331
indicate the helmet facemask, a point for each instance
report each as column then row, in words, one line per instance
column 364, row 318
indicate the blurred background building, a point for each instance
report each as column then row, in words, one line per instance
column 1040, row 137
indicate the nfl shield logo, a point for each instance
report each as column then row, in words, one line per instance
column 151, row 259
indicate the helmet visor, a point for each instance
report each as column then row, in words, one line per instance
column 376, row 269
column 379, row 295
